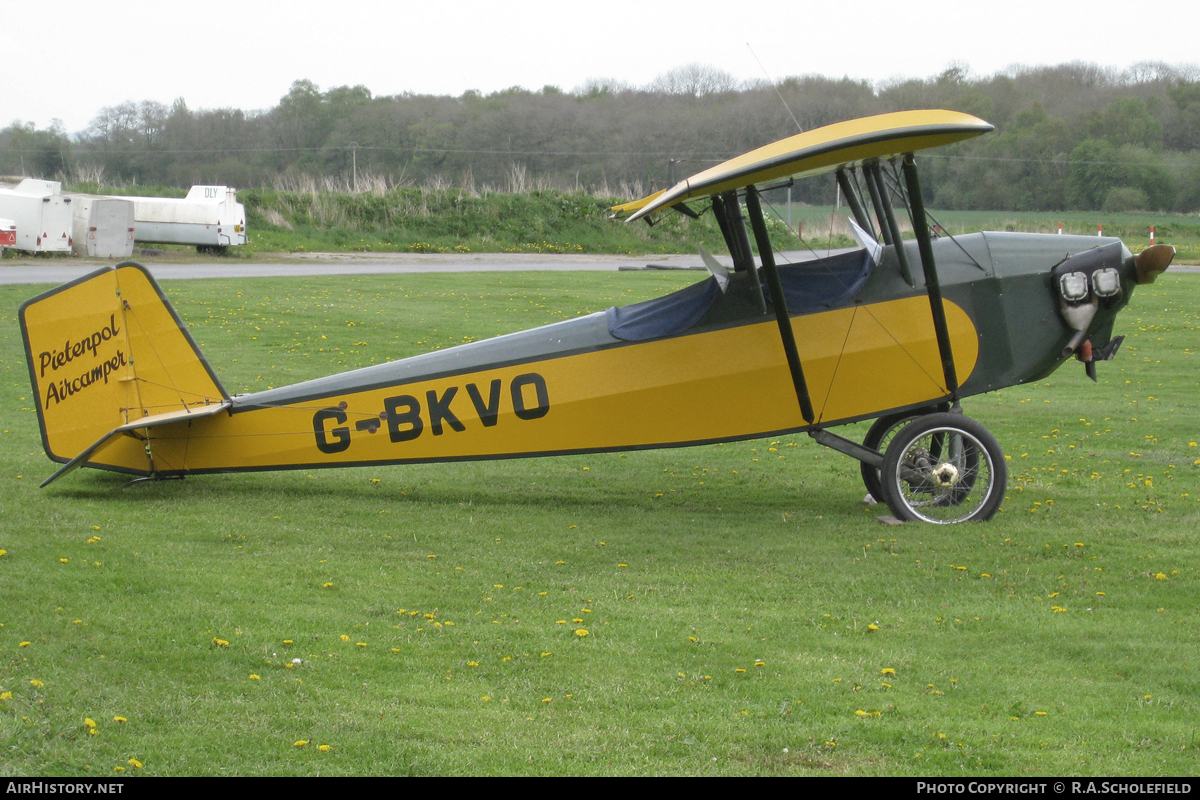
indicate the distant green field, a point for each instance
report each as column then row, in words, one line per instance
column 723, row 610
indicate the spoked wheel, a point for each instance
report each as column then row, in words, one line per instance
column 878, row 438
column 943, row 468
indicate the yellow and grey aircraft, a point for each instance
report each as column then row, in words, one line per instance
column 897, row 331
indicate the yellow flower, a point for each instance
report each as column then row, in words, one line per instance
column 581, row 632
column 326, row 585
column 220, row 643
column 887, row 671
column 1039, row 713
column 88, row 721
column 361, row 644
column 23, row 644
column 324, row 748
column 344, row 638
column 36, row 682
column 1160, row 577
column 254, row 677
column 133, row 762
column 118, row 769
column 872, row 627
column 739, row 669
column 120, row 719
column 860, row 713
column 576, row 619
column 5, row 695
column 300, row 743
column 63, row 560
column 760, row 663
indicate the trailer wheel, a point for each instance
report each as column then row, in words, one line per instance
column 944, row 468
column 877, row 439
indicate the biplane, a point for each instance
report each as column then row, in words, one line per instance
column 899, row 331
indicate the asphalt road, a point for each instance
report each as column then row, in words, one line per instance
column 57, row 271
column 29, row 271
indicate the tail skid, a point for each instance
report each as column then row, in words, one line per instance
column 108, row 357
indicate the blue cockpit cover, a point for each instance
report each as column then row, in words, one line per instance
column 809, row 287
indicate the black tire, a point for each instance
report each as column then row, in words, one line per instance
column 878, row 438
column 944, row 468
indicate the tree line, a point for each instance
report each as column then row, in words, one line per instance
column 1070, row 136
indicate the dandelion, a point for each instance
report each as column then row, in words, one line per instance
column 89, row 722
column 133, row 762
column 118, row 769
column 254, row 677
column 1039, row 713
column 887, row 671
column 872, row 627
column 326, row 585
column 361, row 644
column 220, row 643
column 119, row 720
column 63, row 560
column 300, row 743
column 1160, row 577
column 36, row 682
column 739, row 670
column 23, row 644
column 324, row 748
column 6, row 696
column 760, row 663
column 581, row 632
column 344, row 638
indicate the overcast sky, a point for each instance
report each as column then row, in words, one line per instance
column 70, row 58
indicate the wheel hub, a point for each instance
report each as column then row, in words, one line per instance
column 945, row 476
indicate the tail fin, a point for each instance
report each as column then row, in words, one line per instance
column 106, row 351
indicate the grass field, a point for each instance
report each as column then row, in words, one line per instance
column 724, row 610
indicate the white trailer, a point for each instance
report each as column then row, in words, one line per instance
column 42, row 216
column 102, row 227
column 210, row 217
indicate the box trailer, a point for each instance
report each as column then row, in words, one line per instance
column 210, row 217
column 102, row 227
column 42, row 216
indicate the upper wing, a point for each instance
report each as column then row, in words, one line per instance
column 819, row 150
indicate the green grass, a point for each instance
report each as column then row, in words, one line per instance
column 741, row 605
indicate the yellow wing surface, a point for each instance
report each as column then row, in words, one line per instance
column 817, row 151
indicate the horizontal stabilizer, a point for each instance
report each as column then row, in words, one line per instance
column 169, row 418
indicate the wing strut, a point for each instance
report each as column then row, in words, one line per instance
column 888, row 220
column 925, row 247
column 733, row 228
column 850, row 192
column 786, row 334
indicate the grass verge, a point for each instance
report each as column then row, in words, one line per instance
column 725, row 610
